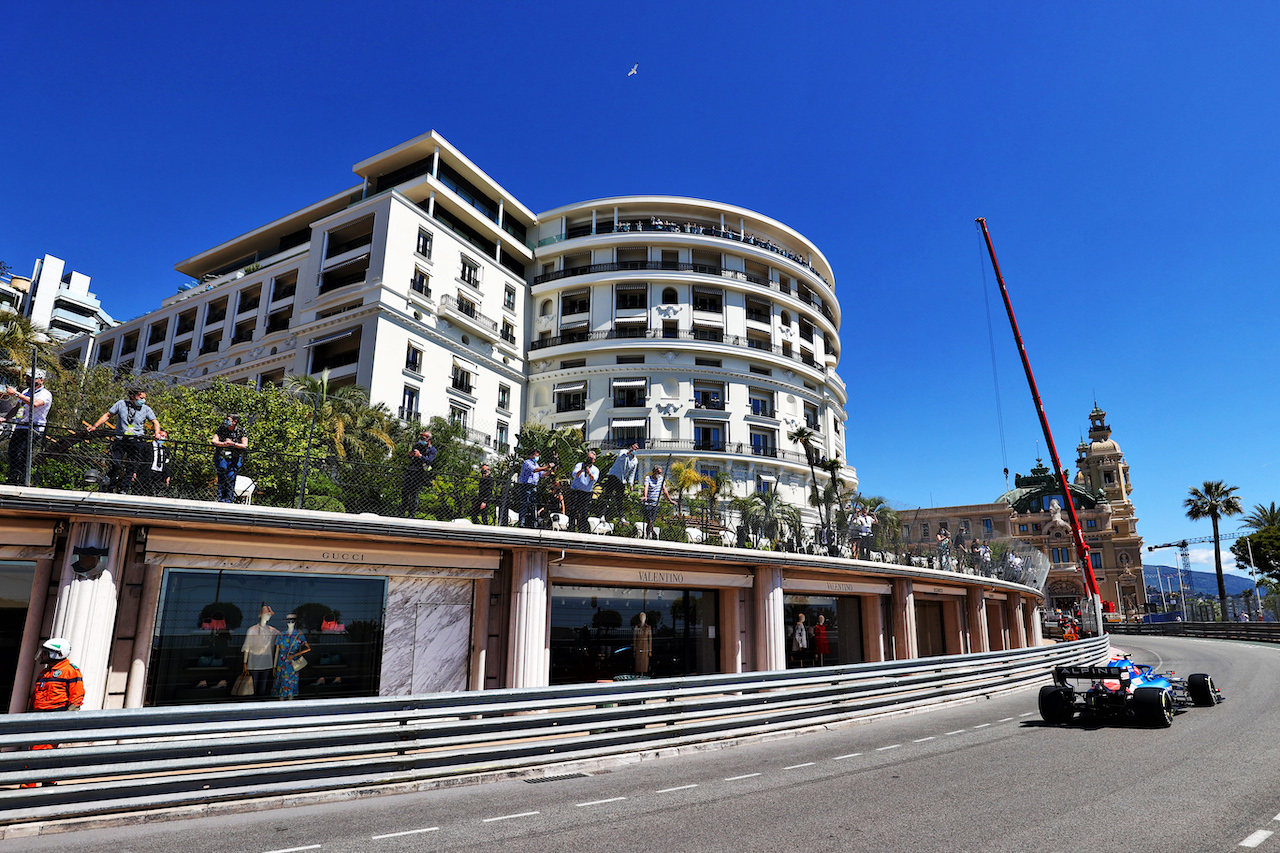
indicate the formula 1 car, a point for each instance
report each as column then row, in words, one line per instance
column 1123, row 690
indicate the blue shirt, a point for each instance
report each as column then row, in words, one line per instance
column 529, row 473
column 626, row 468
column 585, row 476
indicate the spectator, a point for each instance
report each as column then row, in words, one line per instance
column 621, row 478
column 157, row 468
column 132, row 414
column 527, row 484
column 28, row 424
column 944, row 548
column 865, row 538
column 482, row 510
column 230, row 441
column 417, row 473
column 581, row 485
column 655, row 488
column 983, row 559
column 553, row 499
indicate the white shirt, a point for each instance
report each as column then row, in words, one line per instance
column 41, row 397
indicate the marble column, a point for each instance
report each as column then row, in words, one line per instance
column 148, row 604
column 904, row 620
column 1035, row 635
column 85, row 612
column 978, row 639
column 770, row 641
column 1013, row 617
column 730, row 629
column 529, row 661
column 479, row 632
column 874, row 642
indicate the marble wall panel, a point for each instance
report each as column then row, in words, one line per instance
column 428, row 635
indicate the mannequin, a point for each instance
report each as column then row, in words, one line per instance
column 290, row 645
column 820, row 645
column 799, row 635
column 260, row 651
column 642, row 641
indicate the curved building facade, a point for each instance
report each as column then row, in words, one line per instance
column 695, row 329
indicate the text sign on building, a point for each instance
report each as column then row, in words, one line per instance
column 834, row 587
column 648, row 577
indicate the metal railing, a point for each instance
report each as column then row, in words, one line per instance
column 701, row 335
column 142, row 759
column 1258, row 632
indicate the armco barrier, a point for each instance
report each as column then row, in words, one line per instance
column 150, row 758
column 1259, row 632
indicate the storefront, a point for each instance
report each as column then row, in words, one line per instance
column 612, row 623
column 825, row 622
column 22, row 545
column 940, row 620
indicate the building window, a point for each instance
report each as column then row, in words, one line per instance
column 1095, row 560
column 987, row 526
column 571, row 397
column 707, row 362
column 761, row 402
column 576, row 302
column 906, row 532
column 1022, row 528
column 764, row 442
column 459, row 415
column 409, row 404
column 420, row 283
column 669, row 296
column 708, row 436
column 630, row 359
column 711, row 301
column 413, row 359
column 504, row 397
column 625, row 433
column 1058, row 555
column 924, row 530
column 573, row 363
column 470, row 273
column 424, row 243
column 1035, row 528
column 508, row 332
column 631, row 297
column 1091, row 523
column 630, row 392
column 764, row 484
column 761, row 371
column 707, row 395
column 284, row 286
column 501, row 438
column 461, row 380
column 964, row 527
column 509, row 298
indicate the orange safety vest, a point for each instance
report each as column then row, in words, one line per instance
column 58, row 687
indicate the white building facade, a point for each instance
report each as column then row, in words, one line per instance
column 58, row 300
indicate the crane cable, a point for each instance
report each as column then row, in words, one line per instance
column 991, row 342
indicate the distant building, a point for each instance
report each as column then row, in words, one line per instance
column 1033, row 511
column 61, row 302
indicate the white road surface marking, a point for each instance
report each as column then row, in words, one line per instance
column 956, row 732
column 1005, row 720
column 1026, row 713
column 317, row 847
column 743, row 776
column 982, row 725
column 798, row 766
column 406, row 832
column 923, row 739
column 1256, row 838
column 856, row 754
column 598, row 802
column 681, row 788
column 1277, row 817
column 510, row 816
column 883, row 748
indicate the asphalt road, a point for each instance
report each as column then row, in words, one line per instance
column 985, row 776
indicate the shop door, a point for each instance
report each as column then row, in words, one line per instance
column 15, row 596
column 930, row 640
column 997, row 636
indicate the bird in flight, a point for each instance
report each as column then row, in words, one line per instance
column 634, row 69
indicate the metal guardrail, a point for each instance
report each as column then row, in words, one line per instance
column 1261, row 632
column 150, row 758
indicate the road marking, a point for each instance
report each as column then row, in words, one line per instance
column 598, row 802
column 1026, row 713
column 798, row 766
column 982, row 725
column 1256, row 838
column 317, row 846
column 743, row 776
column 681, row 788
column 856, row 754
column 956, row 732
column 1277, row 817
column 406, row 832
column 883, row 748
column 923, row 739
column 510, row 816
column 1005, row 720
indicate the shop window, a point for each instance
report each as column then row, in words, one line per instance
column 601, row 633
column 831, row 626
column 209, row 624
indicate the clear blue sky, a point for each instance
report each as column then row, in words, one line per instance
column 1123, row 154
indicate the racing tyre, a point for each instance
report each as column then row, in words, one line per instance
column 1057, row 704
column 1153, row 706
column 1200, row 689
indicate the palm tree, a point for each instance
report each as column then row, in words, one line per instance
column 346, row 415
column 1213, row 501
column 1262, row 517
column 804, row 437
column 17, row 336
column 684, row 476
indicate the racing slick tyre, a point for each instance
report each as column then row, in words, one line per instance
column 1200, row 689
column 1153, row 706
column 1057, row 704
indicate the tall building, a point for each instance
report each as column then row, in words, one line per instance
column 61, row 302
column 691, row 327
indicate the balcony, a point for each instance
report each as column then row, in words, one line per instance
column 242, row 336
column 185, row 327
column 215, row 316
column 762, row 409
column 576, row 404
column 706, row 335
column 410, row 414
column 475, row 436
column 509, row 336
column 813, row 424
column 461, row 382
column 466, row 310
column 712, row 400
column 418, row 284
column 210, row 347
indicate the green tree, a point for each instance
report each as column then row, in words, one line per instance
column 345, row 422
column 1262, row 517
column 1265, row 546
column 683, row 477
column 805, row 437
column 1214, row 500
column 18, row 335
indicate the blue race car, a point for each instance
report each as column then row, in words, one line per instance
column 1123, row 690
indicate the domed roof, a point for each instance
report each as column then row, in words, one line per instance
column 1103, row 445
column 1032, row 493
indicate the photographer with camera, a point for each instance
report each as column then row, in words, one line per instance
column 132, row 414
column 230, row 441
column 28, row 424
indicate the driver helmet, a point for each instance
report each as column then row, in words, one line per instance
column 57, row 647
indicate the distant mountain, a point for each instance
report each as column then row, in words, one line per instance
column 1204, row 583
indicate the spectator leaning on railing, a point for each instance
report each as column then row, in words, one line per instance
column 34, row 411
column 624, row 474
column 132, row 414
column 230, row 441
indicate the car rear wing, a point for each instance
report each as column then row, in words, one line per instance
column 1093, row 673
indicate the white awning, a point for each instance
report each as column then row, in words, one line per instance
column 630, row 383
column 574, row 326
column 632, row 287
column 470, row 366
column 624, row 424
column 571, row 386
column 330, row 338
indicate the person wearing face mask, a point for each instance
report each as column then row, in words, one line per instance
column 291, row 645
column 527, row 483
column 58, row 687
column 131, row 414
column 230, row 442
column 33, row 409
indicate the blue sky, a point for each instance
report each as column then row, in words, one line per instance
column 1123, row 154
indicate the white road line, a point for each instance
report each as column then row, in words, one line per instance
column 406, row 832
column 856, row 754
column 510, row 816
column 798, row 766
column 1026, row 713
column 956, row 732
column 743, row 776
column 681, row 788
column 1256, row 838
column 1005, row 720
column 982, row 725
column 883, row 748
column 316, row 847
column 598, row 802
column 1277, row 817
column 923, row 739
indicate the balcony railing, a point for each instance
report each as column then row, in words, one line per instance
column 762, row 409
column 243, row 337
column 462, row 384
column 408, row 413
column 451, row 304
column 740, row 448
column 576, row 405
column 508, row 336
column 213, row 347
column 707, row 335
column 710, row 400
column 184, row 328
column 419, row 285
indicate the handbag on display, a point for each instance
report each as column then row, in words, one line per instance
column 299, row 663
column 243, row 685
